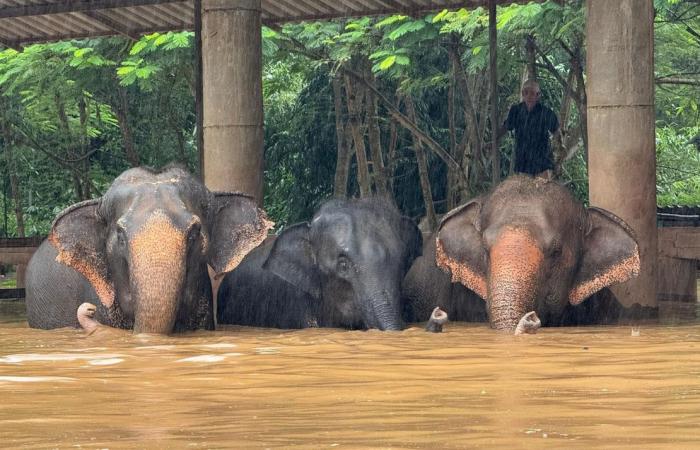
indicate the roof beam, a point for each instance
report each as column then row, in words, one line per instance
column 112, row 24
column 73, row 6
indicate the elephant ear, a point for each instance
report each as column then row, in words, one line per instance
column 78, row 234
column 237, row 226
column 292, row 258
column 412, row 238
column 459, row 249
column 610, row 255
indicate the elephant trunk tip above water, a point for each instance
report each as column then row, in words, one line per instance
column 139, row 253
column 529, row 245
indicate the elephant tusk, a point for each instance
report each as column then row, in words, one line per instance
column 437, row 319
column 528, row 324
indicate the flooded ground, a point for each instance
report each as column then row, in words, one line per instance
column 593, row 387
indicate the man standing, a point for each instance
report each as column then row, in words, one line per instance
column 533, row 123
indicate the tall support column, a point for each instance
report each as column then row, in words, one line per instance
column 232, row 90
column 622, row 156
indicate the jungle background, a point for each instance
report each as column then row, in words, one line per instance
column 394, row 106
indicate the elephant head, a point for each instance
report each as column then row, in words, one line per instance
column 530, row 245
column 144, row 246
column 351, row 259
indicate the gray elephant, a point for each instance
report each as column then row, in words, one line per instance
column 343, row 269
column 140, row 252
column 528, row 245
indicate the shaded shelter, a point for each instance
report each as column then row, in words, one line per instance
column 229, row 99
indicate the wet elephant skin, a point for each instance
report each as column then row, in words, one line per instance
column 528, row 245
column 341, row 269
column 140, row 253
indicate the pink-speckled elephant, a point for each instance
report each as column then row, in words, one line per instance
column 528, row 245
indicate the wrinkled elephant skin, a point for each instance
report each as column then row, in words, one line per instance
column 139, row 254
column 341, row 269
column 528, row 245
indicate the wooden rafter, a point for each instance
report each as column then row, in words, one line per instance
column 40, row 9
column 112, row 24
column 33, row 21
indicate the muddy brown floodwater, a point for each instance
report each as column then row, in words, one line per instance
column 468, row 387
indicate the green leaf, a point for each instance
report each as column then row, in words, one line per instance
column 81, row 52
column 439, row 16
column 402, row 60
column 387, row 62
column 390, row 20
column 160, row 40
column 138, row 47
column 380, row 54
column 407, row 27
column 125, row 70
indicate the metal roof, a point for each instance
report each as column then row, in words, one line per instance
column 29, row 21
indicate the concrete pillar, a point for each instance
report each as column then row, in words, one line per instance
column 232, row 91
column 622, row 156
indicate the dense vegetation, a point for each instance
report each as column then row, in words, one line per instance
column 408, row 95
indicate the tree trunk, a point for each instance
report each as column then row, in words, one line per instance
column 531, row 69
column 493, row 78
column 422, row 169
column 406, row 123
column 451, row 180
column 375, row 145
column 391, row 154
column 15, row 188
column 582, row 105
column 471, row 144
column 360, row 151
column 342, row 165
column 122, row 113
column 83, row 147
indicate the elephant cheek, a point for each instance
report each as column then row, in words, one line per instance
column 158, row 254
column 515, row 263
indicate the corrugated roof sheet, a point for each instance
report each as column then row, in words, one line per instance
column 29, row 21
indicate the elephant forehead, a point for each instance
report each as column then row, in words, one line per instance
column 141, row 198
column 336, row 229
column 145, row 208
column 159, row 238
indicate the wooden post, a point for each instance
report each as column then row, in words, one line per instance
column 493, row 73
column 622, row 157
column 232, row 91
column 21, row 270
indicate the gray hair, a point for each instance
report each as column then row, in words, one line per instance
column 531, row 83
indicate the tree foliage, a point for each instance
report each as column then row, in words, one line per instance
column 395, row 105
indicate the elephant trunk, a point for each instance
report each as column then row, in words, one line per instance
column 158, row 260
column 516, row 260
column 381, row 310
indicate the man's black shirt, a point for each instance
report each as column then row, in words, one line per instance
column 532, row 151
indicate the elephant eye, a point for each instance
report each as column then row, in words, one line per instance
column 343, row 264
column 121, row 236
column 195, row 231
column 555, row 251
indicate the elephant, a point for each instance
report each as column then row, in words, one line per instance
column 528, row 245
column 342, row 269
column 139, row 253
